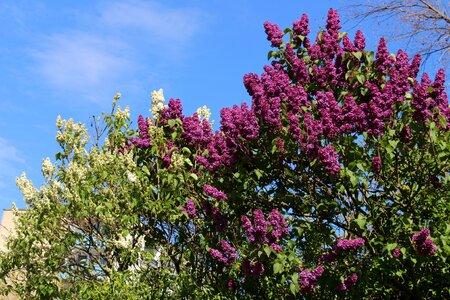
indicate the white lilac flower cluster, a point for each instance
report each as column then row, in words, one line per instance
column 157, row 103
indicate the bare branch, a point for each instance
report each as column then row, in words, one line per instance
column 424, row 24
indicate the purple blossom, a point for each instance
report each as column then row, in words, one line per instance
column 231, row 284
column 329, row 159
column 397, row 253
column 360, row 41
column 267, row 94
column 330, row 113
column 348, row 283
column 333, row 21
column 260, row 227
column 405, row 135
column 423, row 244
column 239, row 124
column 190, row 209
column 229, row 252
column 278, row 224
column 341, row 287
column 280, row 145
column 328, row 258
column 274, row 34
column 376, row 165
column 294, row 128
column 301, row 27
column 197, row 133
column 227, row 256
column 219, row 154
column 348, row 245
column 143, row 141
column 378, row 108
column 348, row 45
column 308, row 280
column 353, row 117
column 219, row 220
column 297, row 65
column 415, row 65
column 217, row 255
column 264, row 231
column 167, row 159
column 275, row 247
column 383, row 58
column 173, row 111
column 252, row 268
column 311, row 142
column 215, row 193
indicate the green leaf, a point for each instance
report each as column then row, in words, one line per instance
column 277, row 268
column 186, row 150
column 294, row 288
column 188, row 162
column 361, row 78
column 358, row 55
column 145, row 170
column 391, row 246
column 361, row 221
column 393, row 143
column 258, row 173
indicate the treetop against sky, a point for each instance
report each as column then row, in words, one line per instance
column 70, row 59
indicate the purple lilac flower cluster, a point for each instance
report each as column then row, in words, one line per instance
column 349, row 282
column 396, row 253
column 307, row 280
column 301, row 27
column 427, row 96
column 215, row 193
column 329, row 159
column 349, row 245
column 219, row 219
column 196, row 132
column 174, row 110
column 167, row 159
column 423, row 243
column 342, row 245
column 190, row 209
column 358, row 44
column 239, row 123
column 376, row 165
column 274, row 34
column 264, row 231
column 252, row 268
column 143, row 141
column 405, row 135
column 227, row 256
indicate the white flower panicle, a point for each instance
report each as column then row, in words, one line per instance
column 122, row 115
column 131, row 176
column 26, row 187
column 204, row 112
column 47, row 167
column 177, row 161
column 157, row 103
column 125, row 242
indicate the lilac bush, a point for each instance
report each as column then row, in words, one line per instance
column 333, row 181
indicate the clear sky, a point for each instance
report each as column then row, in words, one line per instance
column 69, row 58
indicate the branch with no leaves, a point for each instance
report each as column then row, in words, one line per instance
column 423, row 24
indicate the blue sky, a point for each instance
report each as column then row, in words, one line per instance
column 69, row 58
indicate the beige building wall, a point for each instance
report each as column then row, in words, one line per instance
column 7, row 228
